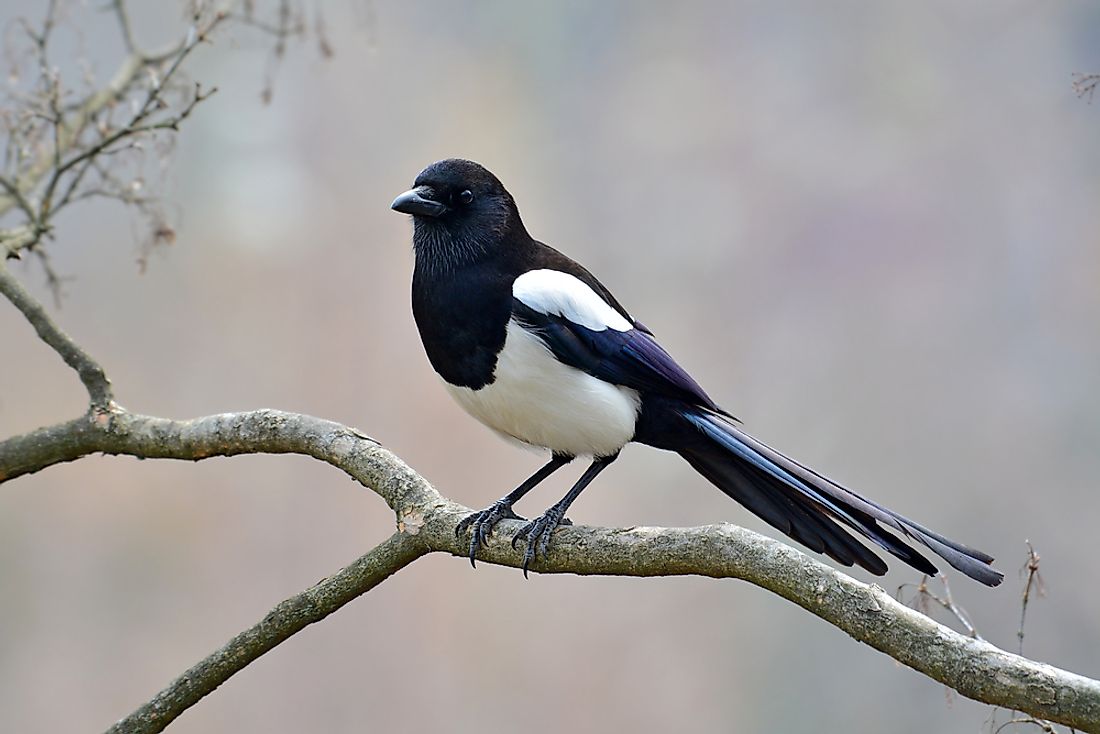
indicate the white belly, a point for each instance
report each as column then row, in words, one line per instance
column 540, row 401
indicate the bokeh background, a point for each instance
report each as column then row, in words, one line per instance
column 869, row 229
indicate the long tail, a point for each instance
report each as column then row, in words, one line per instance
column 805, row 505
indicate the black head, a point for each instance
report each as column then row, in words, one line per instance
column 460, row 211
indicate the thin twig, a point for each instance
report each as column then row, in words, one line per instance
column 91, row 374
column 924, row 594
column 128, row 74
column 173, row 123
column 1045, row 726
column 1034, row 582
column 136, row 125
column 122, row 15
column 20, row 200
column 13, row 241
column 1084, row 85
column 54, row 281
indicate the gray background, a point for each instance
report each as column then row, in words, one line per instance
column 869, row 229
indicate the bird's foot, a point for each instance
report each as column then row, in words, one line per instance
column 537, row 532
column 483, row 523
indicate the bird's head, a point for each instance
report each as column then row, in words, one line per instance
column 460, row 212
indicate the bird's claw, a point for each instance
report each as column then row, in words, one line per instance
column 483, row 523
column 537, row 532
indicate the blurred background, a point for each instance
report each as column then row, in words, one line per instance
column 870, row 230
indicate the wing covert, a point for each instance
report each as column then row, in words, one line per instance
column 630, row 358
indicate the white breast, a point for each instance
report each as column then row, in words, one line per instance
column 540, row 401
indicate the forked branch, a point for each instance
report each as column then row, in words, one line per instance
column 91, row 374
column 974, row 668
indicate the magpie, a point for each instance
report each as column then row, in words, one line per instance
column 532, row 345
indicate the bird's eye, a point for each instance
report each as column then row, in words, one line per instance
column 466, row 197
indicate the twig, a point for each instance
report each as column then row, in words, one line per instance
column 127, row 74
column 924, row 595
column 54, row 282
column 286, row 619
column 122, row 15
column 1034, row 582
column 91, row 374
column 42, row 40
column 20, row 200
column 136, row 125
column 173, row 122
column 1045, row 726
column 1084, row 85
column 13, row 241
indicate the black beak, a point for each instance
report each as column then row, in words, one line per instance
column 419, row 203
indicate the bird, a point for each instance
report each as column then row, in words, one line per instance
column 532, row 345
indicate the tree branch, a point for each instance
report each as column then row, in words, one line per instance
column 287, row 618
column 56, row 151
column 974, row 668
column 91, row 374
column 1084, row 85
column 127, row 74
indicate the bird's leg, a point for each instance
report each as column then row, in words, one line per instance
column 538, row 531
column 485, row 520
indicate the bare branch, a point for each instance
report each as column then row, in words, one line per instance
column 52, row 144
column 53, row 140
column 1044, row 726
column 91, row 374
column 973, row 667
column 138, row 122
column 286, row 619
column 924, row 596
column 288, row 24
column 1033, row 583
column 13, row 241
column 122, row 15
column 18, row 198
column 128, row 73
column 1084, row 85
column 54, row 281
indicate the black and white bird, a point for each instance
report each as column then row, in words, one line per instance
column 533, row 346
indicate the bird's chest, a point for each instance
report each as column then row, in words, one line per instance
column 538, row 400
column 463, row 325
column 506, row 377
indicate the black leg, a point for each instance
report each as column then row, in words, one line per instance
column 485, row 520
column 538, row 531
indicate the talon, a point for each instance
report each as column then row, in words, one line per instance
column 483, row 523
column 465, row 523
column 538, row 533
column 528, row 555
column 473, row 551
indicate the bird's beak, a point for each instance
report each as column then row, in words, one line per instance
column 419, row 203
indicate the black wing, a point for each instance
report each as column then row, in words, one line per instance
column 632, row 358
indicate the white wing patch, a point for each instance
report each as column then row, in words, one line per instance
column 555, row 293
